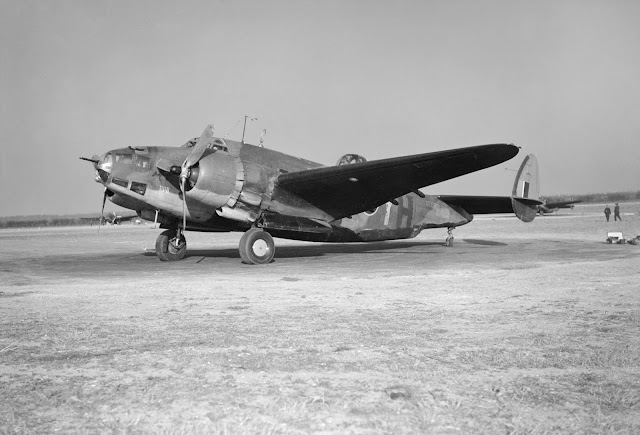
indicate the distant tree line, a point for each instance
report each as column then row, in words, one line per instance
column 46, row 221
column 596, row 198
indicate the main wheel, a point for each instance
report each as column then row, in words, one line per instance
column 257, row 247
column 169, row 247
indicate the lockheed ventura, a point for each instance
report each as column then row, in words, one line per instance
column 214, row 184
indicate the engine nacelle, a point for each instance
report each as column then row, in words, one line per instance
column 216, row 180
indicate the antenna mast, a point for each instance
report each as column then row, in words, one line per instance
column 244, row 128
column 245, row 125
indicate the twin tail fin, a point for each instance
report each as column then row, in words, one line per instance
column 525, row 197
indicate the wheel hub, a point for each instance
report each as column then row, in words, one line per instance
column 260, row 248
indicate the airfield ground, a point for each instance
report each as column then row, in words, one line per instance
column 518, row 329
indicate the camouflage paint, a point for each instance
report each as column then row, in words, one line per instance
column 235, row 183
column 405, row 220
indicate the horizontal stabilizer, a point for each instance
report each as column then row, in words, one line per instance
column 479, row 204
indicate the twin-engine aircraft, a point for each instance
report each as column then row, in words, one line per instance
column 553, row 207
column 220, row 185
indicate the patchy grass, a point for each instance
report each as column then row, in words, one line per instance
column 372, row 372
column 474, row 349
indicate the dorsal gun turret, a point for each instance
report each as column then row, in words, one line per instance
column 349, row 159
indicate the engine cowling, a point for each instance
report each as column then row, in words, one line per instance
column 216, row 180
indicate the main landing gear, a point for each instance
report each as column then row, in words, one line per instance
column 449, row 241
column 256, row 246
column 171, row 245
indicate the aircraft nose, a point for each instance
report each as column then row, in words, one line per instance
column 104, row 166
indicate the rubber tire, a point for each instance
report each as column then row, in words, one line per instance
column 257, row 247
column 165, row 250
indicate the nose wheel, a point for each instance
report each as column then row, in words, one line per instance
column 257, row 247
column 171, row 245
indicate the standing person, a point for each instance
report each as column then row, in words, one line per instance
column 616, row 213
column 607, row 212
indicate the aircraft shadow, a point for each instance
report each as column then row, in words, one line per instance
column 319, row 250
column 484, row 242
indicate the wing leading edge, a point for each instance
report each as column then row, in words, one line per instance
column 346, row 190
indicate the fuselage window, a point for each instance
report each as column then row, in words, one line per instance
column 139, row 188
column 120, row 182
column 124, row 159
column 142, row 163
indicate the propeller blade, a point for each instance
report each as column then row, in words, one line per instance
column 199, row 148
column 104, row 200
column 184, row 203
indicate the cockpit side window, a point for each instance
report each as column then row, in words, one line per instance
column 124, row 159
column 142, row 162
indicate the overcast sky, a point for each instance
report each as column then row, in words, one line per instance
column 561, row 79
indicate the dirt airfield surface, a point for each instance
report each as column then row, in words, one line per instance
column 518, row 329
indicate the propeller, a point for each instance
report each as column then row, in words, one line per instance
column 104, row 200
column 199, row 148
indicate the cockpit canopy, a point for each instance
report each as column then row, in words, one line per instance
column 190, row 143
column 217, row 144
column 135, row 159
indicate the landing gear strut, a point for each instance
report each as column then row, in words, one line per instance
column 171, row 245
column 257, row 247
column 449, row 241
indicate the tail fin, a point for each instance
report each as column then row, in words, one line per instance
column 525, row 197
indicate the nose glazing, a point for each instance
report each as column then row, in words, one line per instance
column 103, row 168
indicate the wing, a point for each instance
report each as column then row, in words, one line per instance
column 346, row 190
